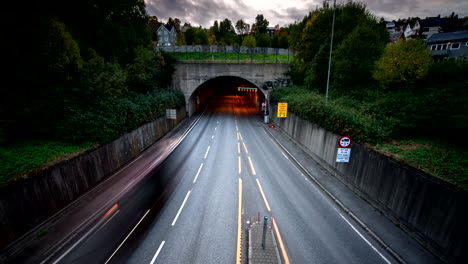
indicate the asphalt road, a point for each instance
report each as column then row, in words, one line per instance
column 195, row 205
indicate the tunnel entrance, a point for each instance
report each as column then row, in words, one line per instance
column 225, row 86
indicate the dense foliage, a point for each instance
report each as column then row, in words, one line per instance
column 68, row 65
column 79, row 73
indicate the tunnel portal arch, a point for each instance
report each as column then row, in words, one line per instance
column 190, row 76
column 223, row 85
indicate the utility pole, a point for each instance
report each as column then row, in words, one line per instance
column 331, row 49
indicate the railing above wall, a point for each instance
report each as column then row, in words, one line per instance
column 228, row 54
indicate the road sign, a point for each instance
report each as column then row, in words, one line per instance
column 343, row 155
column 282, row 110
column 345, row 142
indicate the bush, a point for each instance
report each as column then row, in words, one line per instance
column 339, row 116
column 112, row 116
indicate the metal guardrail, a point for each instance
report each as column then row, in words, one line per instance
column 228, row 54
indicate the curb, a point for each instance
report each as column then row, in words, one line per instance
column 338, row 202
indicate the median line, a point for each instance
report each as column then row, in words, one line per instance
column 239, row 225
column 263, row 195
column 180, row 209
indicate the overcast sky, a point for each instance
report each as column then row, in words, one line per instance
column 285, row 12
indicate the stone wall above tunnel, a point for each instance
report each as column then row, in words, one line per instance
column 188, row 76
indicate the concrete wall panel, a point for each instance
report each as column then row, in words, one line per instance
column 430, row 209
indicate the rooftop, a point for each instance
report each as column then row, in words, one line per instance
column 448, row 36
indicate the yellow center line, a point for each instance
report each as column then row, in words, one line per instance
column 245, row 147
column 239, row 225
column 239, row 164
column 263, row 195
column 280, row 240
column 252, row 167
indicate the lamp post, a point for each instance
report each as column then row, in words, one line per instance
column 331, row 49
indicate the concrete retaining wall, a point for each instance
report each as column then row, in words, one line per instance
column 27, row 203
column 431, row 210
column 227, row 49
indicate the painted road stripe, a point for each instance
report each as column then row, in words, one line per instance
column 280, row 240
column 198, row 173
column 264, row 197
column 252, row 167
column 238, row 147
column 245, row 147
column 355, row 230
column 207, row 150
column 239, row 163
column 157, row 252
column 239, row 225
column 127, row 237
column 180, row 209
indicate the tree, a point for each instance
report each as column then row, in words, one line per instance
column 354, row 60
column 242, row 27
column 263, row 40
column 260, row 26
column 154, row 25
column 403, row 63
column 249, row 41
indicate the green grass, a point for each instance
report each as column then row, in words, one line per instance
column 441, row 160
column 230, row 57
column 17, row 159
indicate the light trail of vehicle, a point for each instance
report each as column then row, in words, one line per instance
column 252, row 167
column 239, row 225
column 181, row 207
column 123, row 242
column 108, row 220
column 198, row 173
column 157, row 252
column 263, row 195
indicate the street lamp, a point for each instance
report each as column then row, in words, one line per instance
column 331, row 49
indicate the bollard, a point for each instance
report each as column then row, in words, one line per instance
column 265, row 226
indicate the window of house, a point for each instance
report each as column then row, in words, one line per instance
column 433, row 47
column 466, row 44
column 455, row 45
column 444, row 46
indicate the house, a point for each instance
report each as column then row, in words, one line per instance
column 431, row 25
column 185, row 27
column 449, row 45
column 167, row 35
column 411, row 29
column 272, row 30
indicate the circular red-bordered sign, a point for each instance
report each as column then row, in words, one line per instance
column 345, row 142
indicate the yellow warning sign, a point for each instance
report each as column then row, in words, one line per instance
column 282, row 110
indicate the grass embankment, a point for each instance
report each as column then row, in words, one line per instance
column 371, row 123
column 19, row 159
column 230, row 57
column 441, row 160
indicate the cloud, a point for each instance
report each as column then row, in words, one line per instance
column 205, row 12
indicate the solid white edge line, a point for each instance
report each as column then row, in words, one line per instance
column 198, row 173
column 157, row 252
column 127, row 236
column 180, row 209
column 207, row 150
column 359, row 233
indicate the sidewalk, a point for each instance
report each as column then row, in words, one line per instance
column 258, row 255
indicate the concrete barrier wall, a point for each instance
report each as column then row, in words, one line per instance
column 27, row 203
column 431, row 210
